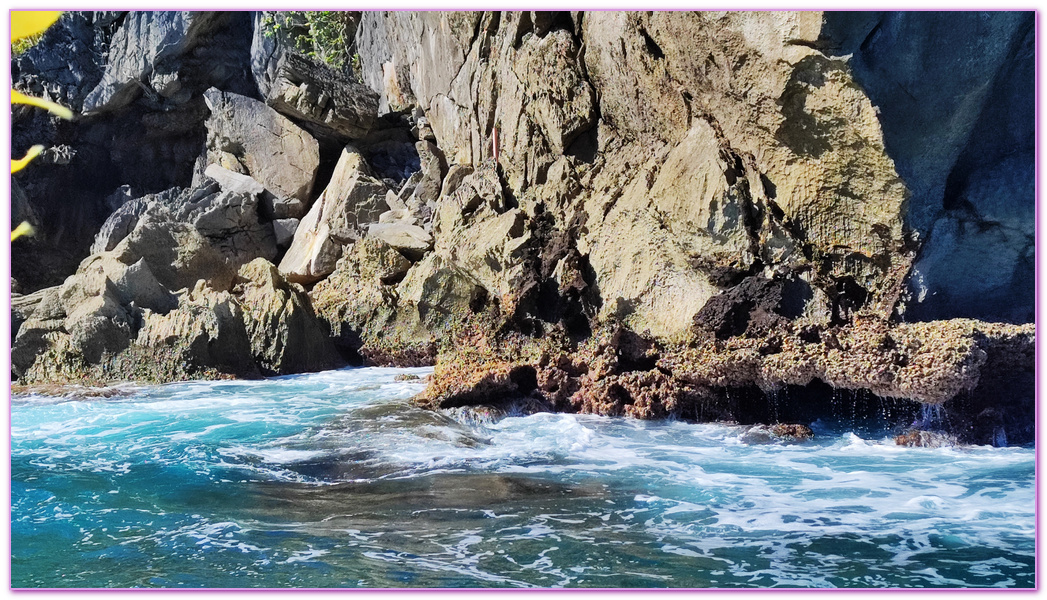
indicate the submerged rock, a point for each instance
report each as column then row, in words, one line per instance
column 777, row 433
column 915, row 438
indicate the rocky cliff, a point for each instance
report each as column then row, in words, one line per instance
column 618, row 212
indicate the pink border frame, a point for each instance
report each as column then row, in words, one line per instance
column 6, row 265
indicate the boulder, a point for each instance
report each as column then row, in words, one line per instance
column 435, row 294
column 230, row 217
column 780, row 433
column 248, row 137
column 494, row 250
column 411, row 240
column 324, row 101
column 125, row 218
column 285, row 335
column 351, row 201
column 176, row 253
column 455, row 175
column 359, row 296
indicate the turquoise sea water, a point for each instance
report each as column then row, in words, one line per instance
column 333, row 479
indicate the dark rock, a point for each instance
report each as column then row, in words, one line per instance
column 284, row 230
column 146, row 51
column 67, row 62
column 914, row 438
column 959, row 125
column 778, row 433
column 750, row 305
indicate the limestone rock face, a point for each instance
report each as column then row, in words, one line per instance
column 339, row 216
column 206, row 330
column 747, row 149
column 959, row 124
column 147, row 48
column 248, row 137
column 285, row 334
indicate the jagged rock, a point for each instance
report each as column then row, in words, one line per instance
column 285, row 334
column 455, row 175
column 124, row 219
column 266, row 51
column 66, row 64
column 325, row 101
column 411, row 240
column 339, row 216
column 147, row 49
column 359, row 296
column 246, row 136
column 230, row 217
column 83, row 319
column 381, row 308
column 206, row 331
column 493, row 249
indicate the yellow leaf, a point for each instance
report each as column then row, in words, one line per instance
column 26, row 23
column 20, row 98
column 18, row 165
column 23, row 228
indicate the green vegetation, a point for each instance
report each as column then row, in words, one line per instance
column 20, row 46
column 327, row 35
